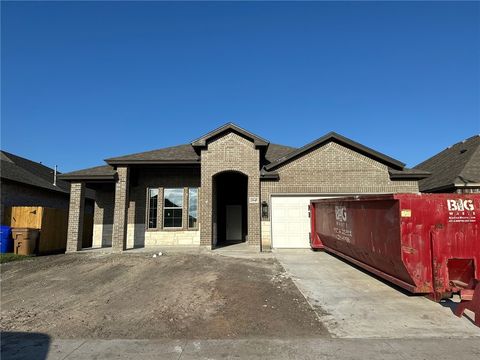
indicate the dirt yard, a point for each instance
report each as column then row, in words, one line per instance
column 135, row 296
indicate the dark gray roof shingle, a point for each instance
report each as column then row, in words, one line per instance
column 97, row 172
column 16, row 168
column 459, row 163
column 180, row 153
column 184, row 152
column 276, row 151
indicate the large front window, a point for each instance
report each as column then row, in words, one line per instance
column 172, row 208
column 152, row 208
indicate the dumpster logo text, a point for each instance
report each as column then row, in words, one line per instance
column 460, row 210
column 341, row 231
column 341, row 213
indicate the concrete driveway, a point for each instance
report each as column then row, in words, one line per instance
column 354, row 304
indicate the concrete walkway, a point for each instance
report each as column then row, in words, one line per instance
column 354, row 304
column 381, row 349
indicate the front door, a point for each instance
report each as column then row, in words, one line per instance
column 233, row 223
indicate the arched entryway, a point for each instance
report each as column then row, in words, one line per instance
column 230, row 217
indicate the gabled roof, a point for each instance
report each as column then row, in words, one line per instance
column 182, row 154
column 332, row 136
column 185, row 154
column 21, row 170
column 458, row 165
column 257, row 140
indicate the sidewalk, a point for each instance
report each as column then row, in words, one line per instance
column 382, row 349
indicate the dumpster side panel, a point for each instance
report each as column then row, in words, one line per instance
column 367, row 231
column 425, row 243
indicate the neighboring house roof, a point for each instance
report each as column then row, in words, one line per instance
column 332, row 136
column 21, row 170
column 456, row 166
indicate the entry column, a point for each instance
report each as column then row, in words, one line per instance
column 119, row 236
column 75, row 217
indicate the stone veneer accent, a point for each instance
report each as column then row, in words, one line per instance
column 75, row 217
column 138, row 237
column 229, row 152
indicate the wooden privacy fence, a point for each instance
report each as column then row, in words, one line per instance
column 52, row 224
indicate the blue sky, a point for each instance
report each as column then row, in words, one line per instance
column 85, row 81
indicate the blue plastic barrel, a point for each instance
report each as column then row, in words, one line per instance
column 6, row 240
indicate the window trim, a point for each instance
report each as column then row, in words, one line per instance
column 164, row 208
column 188, row 210
column 147, row 223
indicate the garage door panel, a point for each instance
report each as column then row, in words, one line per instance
column 290, row 221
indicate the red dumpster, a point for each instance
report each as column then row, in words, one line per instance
column 424, row 243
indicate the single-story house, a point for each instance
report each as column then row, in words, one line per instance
column 28, row 183
column 227, row 186
column 455, row 169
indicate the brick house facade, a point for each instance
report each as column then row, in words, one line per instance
column 219, row 188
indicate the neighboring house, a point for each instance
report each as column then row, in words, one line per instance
column 455, row 169
column 28, row 183
column 227, row 186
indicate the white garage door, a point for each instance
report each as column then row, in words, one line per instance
column 290, row 221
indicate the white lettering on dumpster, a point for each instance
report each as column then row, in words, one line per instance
column 341, row 231
column 341, row 213
column 461, row 210
column 343, row 234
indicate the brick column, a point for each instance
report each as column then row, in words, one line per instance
column 75, row 217
column 119, row 237
column 207, row 209
column 185, row 209
column 253, row 213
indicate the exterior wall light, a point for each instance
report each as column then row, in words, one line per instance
column 264, row 210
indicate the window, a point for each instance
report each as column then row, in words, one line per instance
column 152, row 208
column 173, row 203
column 192, row 208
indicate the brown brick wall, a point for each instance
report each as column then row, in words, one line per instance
column 75, row 217
column 157, row 178
column 230, row 152
column 331, row 169
column 119, row 236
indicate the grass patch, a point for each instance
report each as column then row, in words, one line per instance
column 4, row 258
